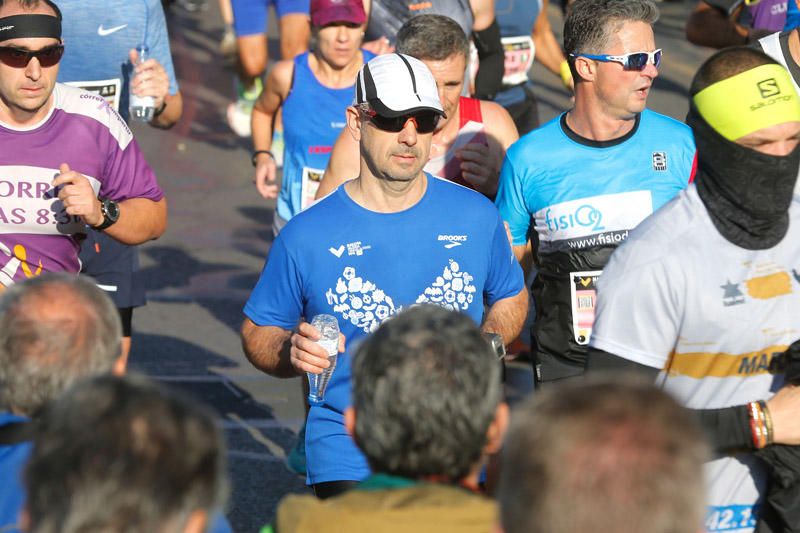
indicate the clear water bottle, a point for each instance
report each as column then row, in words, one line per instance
column 329, row 328
column 142, row 108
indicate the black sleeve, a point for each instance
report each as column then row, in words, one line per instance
column 728, row 429
column 489, row 79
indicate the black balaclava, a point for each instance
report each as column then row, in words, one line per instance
column 747, row 193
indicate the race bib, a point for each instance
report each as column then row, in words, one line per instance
column 311, row 180
column 519, row 52
column 583, row 295
column 108, row 89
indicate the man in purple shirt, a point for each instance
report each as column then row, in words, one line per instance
column 48, row 129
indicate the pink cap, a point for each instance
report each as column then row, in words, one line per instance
column 324, row 12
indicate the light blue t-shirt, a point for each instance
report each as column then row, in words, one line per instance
column 98, row 36
column 339, row 258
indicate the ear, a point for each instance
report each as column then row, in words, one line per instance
column 585, row 68
column 354, row 122
column 197, row 522
column 350, row 421
column 497, row 430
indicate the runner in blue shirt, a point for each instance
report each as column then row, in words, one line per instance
column 393, row 237
column 577, row 185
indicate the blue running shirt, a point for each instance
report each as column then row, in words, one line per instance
column 577, row 200
column 339, row 258
column 313, row 117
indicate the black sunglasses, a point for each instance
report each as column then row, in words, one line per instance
column 425, row 122
column 20, row 57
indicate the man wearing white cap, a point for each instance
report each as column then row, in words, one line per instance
column 393, row 237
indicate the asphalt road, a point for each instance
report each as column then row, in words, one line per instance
column 200, row 272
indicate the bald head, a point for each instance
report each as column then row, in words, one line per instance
column 54, row 329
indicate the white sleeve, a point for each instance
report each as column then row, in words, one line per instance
column 639, row 308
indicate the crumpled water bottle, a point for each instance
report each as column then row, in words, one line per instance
column 141, row 108
column 328, row 327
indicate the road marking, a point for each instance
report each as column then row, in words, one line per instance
column 259, row 437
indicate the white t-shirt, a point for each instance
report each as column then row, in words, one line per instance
column 710, row 315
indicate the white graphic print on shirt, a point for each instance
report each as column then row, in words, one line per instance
column 365, row 305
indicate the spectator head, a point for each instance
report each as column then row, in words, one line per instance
column 54, row 330
column 426, row 396
column 607, row 455
column 124, row 455
column 611, row 50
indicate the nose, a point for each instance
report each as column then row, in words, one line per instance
column 341, row 33
column 408, row 135
column 33, row 70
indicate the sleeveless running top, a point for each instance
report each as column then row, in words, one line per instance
column 313, row 115
column 386, row 16
column 470, row 130
column 516, row 19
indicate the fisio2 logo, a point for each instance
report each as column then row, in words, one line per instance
column 586, row 216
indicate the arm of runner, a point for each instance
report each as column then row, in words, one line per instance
column 151, row 79
column 491, row 55
column 548, row 51
column 140, row 219
column 281, row 353
column 269, row 101
column 710, row 25
column 506, row 317
column 727, row 428
column 343, row 164
column 480, row 163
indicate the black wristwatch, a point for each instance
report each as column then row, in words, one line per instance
column 110, row 210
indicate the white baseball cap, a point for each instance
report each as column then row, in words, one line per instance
column 397, row 84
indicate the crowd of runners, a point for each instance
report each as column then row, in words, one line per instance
column 655, row 262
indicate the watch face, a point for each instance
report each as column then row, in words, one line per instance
column 112, row 209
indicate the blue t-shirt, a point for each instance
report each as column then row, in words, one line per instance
column 339, row 258
column 12, row 460
column 313, row 117
column 98, row 34
column 577, row 199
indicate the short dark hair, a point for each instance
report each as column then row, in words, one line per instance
column 54, row 329
column 432, row 37
column 426, row 386
column 602, row 455
column 33, row 4
column 590, row 24
column 123, row 455
column 727, row 63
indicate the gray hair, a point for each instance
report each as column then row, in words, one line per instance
column 54, row 329
column 603, row 455
column 432, row 37
column 590, row 24
column 426, row 386
column 123, row 454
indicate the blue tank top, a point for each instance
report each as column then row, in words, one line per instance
column 516, row 19
column 313, row 117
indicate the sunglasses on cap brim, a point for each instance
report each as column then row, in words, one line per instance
column 424, row 121
column 20, row 57
column 632, row 61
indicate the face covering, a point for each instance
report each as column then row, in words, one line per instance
column 747, row 193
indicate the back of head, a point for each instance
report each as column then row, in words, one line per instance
column 123, row 455
column 54, row 330
column 591, row 24
column 617, row 456
column 728, row 63
column 426, row 386
column 432, row 38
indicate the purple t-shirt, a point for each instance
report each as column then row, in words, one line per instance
column 36, row 234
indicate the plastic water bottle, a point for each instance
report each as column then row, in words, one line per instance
column 142, row 108
column 329, row 328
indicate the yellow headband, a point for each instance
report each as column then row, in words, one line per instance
column 755, row 99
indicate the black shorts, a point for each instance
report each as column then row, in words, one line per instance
column 114, row 267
